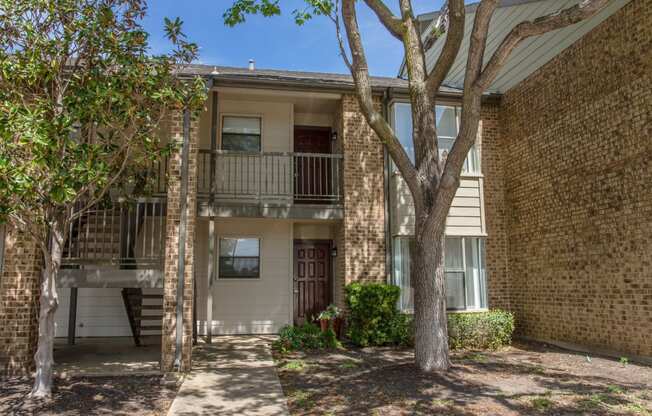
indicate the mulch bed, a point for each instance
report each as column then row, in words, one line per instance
column 134, row 396
column 525, row 379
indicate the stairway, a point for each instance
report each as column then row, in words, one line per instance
column 95, row 236
column 145, row 312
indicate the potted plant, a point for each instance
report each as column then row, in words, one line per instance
column 331, row 314
column 324, row 319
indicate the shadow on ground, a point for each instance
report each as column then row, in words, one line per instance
column 526, row 379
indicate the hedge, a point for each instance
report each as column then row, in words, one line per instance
column 375, row 320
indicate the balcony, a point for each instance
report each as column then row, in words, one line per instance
column 275, row 184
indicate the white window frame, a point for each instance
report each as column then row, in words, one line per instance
column 483, row 279
column 240, row 115
column 458, row 111
column 260, row 257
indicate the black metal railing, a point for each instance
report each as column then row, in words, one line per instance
column 270, row 176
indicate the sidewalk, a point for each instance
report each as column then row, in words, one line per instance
column 235, row 375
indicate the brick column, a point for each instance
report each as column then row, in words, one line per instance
column 362, row 236
column 171, row 268
column 19, row 297
column 490, row 148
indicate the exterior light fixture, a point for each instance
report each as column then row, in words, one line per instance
column 334, row 252
column 334, row 136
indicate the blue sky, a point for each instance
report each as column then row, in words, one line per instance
column 276, row 42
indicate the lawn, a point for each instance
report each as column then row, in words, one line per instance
column 531, row 379
column 133, row 396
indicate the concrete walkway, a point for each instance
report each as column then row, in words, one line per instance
column 234, row 375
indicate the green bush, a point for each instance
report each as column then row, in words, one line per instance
column 304, row 337
column 373, row 317
column 481, row 330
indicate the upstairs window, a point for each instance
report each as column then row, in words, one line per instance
column 239, row 258
column 241, row 134
column 448, row 121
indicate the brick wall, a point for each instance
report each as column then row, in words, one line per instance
column 497, row 243
column 168, row 346
column 363, row 228
column 577, row 160
column 19, row 295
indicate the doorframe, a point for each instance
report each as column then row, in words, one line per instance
column 330, row 267
column 315, row 128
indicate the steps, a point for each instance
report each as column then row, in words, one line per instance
column 95, row 236
column 145, row 312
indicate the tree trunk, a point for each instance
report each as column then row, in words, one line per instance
column 49, row 301
column 430, row 321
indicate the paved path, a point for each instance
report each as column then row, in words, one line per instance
column 234, row 375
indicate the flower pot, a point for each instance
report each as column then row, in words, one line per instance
column 323, row 323
column 337, row 327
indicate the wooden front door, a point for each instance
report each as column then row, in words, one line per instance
column 313, row 176
column 312, row 278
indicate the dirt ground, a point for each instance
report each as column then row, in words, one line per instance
column 133, row 396
column 525, row 379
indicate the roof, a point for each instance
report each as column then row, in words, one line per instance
column 533, row 53
column 294, row 79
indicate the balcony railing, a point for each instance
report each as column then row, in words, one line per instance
column 283, row 177
column 119, row 234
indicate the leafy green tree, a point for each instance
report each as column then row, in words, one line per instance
column 81, row 100
column 433, row 180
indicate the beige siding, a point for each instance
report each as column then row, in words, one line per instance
column 277, row 121
column 248, row 306
column 465, row 217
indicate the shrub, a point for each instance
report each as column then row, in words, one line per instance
column 304, row 337
column 373, row 316
column 481, row 330
column 402, row 330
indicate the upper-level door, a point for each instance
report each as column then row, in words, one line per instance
column 313, row 175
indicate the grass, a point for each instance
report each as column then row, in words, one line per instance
column 302, row 399
column 541, row 403
column 294, row 365
column 476, row 357
column 638, row 409
column 613, row 389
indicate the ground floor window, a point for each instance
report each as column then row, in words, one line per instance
column 239, row 258
column 466, row 287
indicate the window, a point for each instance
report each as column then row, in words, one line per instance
column 239, row 258
column 464, row 270
column 447, row 119
column 241, row 134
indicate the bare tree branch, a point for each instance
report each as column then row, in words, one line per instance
column 360, row 73
column 453, row 25
column 335, row 18
column 566, row 17
column 392, row 23
column 471, row 104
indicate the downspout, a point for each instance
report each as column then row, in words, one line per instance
column 386, row 178
column 183, row 225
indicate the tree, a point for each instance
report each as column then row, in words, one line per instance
column 432, row 180
column 80, row 103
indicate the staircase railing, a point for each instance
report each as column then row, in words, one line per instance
column 122, row 233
